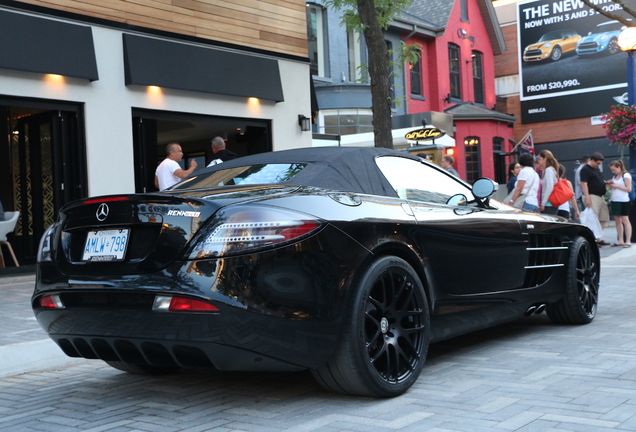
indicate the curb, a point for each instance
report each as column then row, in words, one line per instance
column 11, row 280
column 622, row 255
column 33, row 356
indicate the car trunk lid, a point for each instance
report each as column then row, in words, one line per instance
column 132, row 234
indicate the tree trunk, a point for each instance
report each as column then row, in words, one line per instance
column 378, row 74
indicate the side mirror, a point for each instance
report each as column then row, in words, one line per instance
column 484, row 187
column 458, row 200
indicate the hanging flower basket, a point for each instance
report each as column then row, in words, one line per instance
column 620, row 125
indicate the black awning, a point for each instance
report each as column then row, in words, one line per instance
column 175, row 65
column 41, row 45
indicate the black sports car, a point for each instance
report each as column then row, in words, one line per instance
column 348, row 262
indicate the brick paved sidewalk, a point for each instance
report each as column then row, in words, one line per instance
column 17, row 322
column 526, row 376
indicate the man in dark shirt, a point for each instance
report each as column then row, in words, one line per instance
column 593, row 189
column 220, row 153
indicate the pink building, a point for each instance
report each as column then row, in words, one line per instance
column 456, row 76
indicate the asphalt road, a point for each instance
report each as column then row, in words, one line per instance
column 529, row 375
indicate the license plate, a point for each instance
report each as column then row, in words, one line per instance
column 106, row 245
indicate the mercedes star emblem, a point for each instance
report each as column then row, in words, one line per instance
column 102, row 212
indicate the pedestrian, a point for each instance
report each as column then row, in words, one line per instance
column 578, row 193
column 593, row 190
column 425, row 156
column 565, row 210
column 447, row 163
column 550, row 168
column 169, row 172
column 527, row 184
column 620, row 185
column 513, row 172
column 539, row 172
column 219, row 152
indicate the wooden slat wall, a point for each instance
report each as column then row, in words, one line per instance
column 273, row 25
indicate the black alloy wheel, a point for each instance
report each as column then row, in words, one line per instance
column 384, row 346
column 581, row 288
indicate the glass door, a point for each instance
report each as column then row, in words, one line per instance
column 46, row 169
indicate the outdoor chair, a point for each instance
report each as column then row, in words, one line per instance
column 7, row 226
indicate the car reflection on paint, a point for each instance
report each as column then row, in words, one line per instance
column 347, row 262
column 552, row 45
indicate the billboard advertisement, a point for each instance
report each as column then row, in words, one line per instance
column 570, row 65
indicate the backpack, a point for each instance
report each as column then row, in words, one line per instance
column 632, row 193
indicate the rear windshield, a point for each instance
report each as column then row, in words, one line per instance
column 245, row 175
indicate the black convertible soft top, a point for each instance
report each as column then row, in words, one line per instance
column 347, row 169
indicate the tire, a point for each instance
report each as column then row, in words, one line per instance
column 581, row 287
column 556, row 53
column 385, row 342
column 613, row 47
column 142, row 369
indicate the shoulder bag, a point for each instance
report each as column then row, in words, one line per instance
column 521, row 199
column 561, row 193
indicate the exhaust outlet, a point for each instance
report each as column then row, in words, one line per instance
column 530, row 311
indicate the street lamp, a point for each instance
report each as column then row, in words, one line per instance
column 627, row 43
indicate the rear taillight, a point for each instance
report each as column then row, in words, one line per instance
column 44, row 249
column 168, row 303
column 51, row 302
column 244, row 229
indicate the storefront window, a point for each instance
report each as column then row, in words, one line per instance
column 473, row 169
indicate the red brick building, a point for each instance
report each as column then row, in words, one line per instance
column 457, row 76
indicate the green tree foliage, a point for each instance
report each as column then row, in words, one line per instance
column 371, row 18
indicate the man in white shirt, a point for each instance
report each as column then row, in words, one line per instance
column 169, row 171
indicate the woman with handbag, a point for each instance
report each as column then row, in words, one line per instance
column 620, row 185
column 550, row 167
column 524, row 195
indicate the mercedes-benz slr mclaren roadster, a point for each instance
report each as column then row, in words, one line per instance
column 347, row 262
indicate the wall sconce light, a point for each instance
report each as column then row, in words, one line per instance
column 304, row 123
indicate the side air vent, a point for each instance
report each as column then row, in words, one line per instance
column 545, row 253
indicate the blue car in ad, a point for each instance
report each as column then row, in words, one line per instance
column 603, row 40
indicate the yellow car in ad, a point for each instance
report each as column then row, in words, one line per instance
column 552, row 45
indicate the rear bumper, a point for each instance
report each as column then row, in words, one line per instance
column 279, row 310
column 169, row 353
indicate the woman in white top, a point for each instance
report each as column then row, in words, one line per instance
column 621, row 185
column 527, row 184
column 550, row 167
